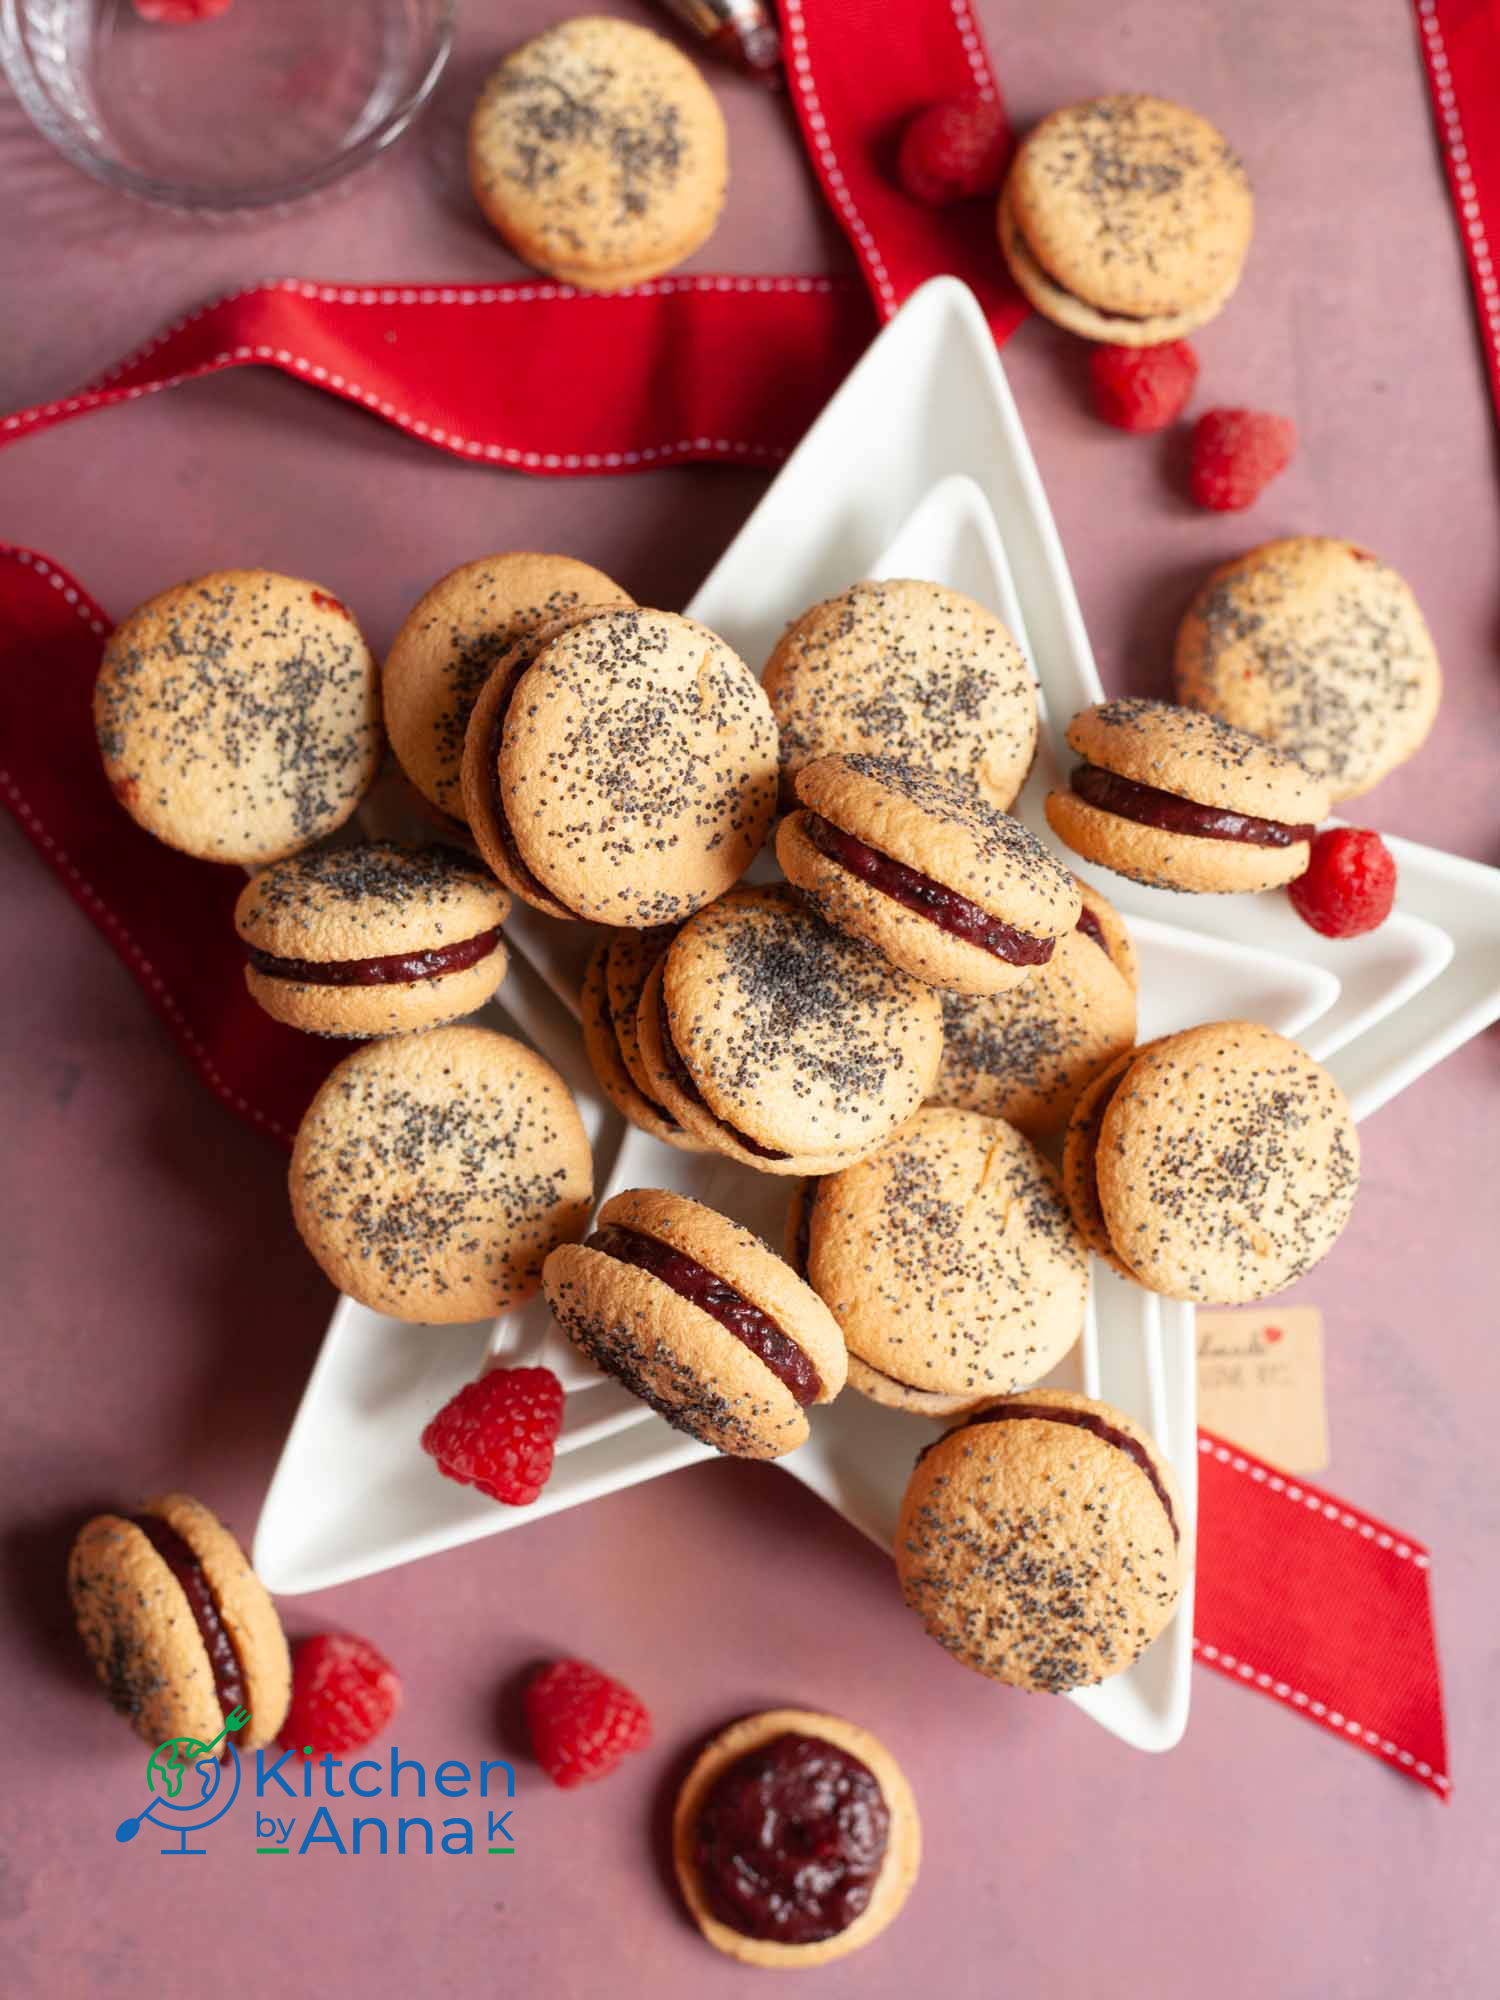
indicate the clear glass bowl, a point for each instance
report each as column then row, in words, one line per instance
column 250, row 110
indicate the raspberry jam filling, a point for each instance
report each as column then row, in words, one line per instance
column 503, row 832
column 1149, row 807
column 790, row 1841
column 803, row 1245
column 685, row 1081
column 1083, row 1420
column 1089, row 924
column 229, row 1676
column 398, row 968
column 698, row 1285
column 945, row 907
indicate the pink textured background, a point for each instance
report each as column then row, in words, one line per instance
column 162, row 1316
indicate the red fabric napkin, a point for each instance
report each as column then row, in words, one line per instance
column 1303, row 1598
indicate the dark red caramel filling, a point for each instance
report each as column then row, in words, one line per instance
column 687, row 1083
column 1089, row 924
column 1148, row 807
column 399, row 968
column 503, row 830
column 945, row 907
column 229, row 1676
column 698, row 1285
column 790, row 1841
column 1083, row 1420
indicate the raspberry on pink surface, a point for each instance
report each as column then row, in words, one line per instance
column 1349, row 886
column 1236, row 455
column 953, row 150
column 498, row 1433
column 1142, row 388
column 583, row 1723
column 344, row 1692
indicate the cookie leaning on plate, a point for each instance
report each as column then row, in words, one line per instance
column 1217, row 1165
column 1180, row 800
column 449, row 643
column 434, row 1172
column 373, row 939
column 700, row 1319
column 767, row 1794
column 911, row 670
column 917, row 865
column 599, row 153
column 1126, row 219
column 1041, row 1541
column 1025, row 1054
column 950, row 1261
column 180, row 1629
column 1321, row 648
column 783, row 1043
column 238, row 715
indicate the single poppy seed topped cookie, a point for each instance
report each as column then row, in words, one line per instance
column 239, row 715
column 599, row 153
column 917, row 865
column 1321, row 648
column 781, row 1041
column 1041, row 1541
column 1180, row 800
column 180, row 1629
column 448, row 647
column 433, row 1172
column 373, row 939
column 1126, row 219
column 1080, row 1152
column 637, row 767
column 701, row 1319
column 1025, row 1054
column 950, row 1261
column 796, row 1839
column 618, row 968
column 910, row 670
column 1225, row 1164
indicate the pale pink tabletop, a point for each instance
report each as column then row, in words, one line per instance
column 162, row 1315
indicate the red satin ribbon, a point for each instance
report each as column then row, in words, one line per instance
column 1460, row 42
column 1299, row 1596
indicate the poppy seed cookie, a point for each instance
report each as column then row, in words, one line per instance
column 617, row 971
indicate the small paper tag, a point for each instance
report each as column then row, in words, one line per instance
column 1260, row 1383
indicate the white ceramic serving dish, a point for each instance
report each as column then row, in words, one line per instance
column 917, row 467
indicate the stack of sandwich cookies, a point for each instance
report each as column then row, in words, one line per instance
column 1126, row 219
column 238, row 716
column 434, row 1172
column 1041, row 1541
column 1025, row 1054
column 372, row 939
column 636, row 766
column 1217, row 1165
column 781, row 1042
column 180, row 1629
column 701, row 1320
column 920, row 868
column 949, row 1260
column 910, row 670
column 599, row 153
column 1321, row 648
column 618, row 968
column 449, row 644
column 796, row 1839
column 1180, row 800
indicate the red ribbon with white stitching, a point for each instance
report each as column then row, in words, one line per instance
column 1300, row 1596
column 1461, row 52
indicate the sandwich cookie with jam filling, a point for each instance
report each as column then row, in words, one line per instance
column 701, row 1320
column 618, row 969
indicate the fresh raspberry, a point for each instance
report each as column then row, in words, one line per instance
column 498, row 1433
column 1236, row 455
column 344, row 1693
column 1350, row 883
column 177, row 13
column 1142, row 388
column 953, row 149
column 582, row 1723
